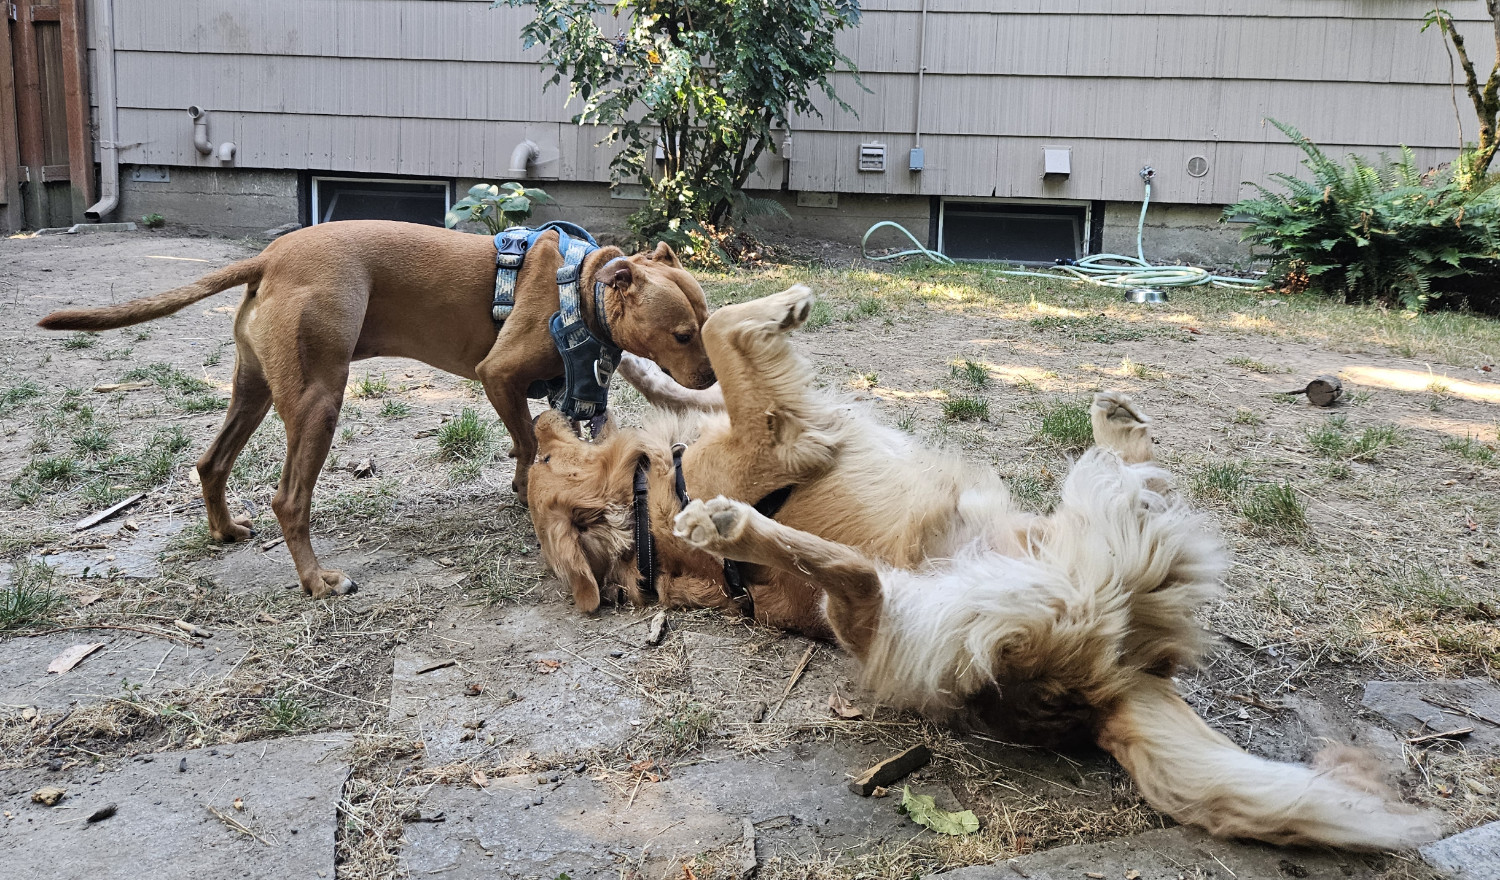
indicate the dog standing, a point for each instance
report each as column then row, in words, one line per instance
column 325, row 296
column 955, row 601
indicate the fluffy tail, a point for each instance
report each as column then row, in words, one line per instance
column 1198, row 777
column 149, row 308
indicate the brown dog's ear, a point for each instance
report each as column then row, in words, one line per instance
column 664, row 254
column 616, row 274
column 565, row 554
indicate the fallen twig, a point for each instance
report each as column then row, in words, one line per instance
column 1444, row 734
column 1462, row 710
column 796, row 676
column 92, row 520
column 150, row 632
column 236, row 825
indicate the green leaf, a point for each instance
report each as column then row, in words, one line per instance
column 451, row 219
column 483, row 191
column 516, row 204
column 923, row 810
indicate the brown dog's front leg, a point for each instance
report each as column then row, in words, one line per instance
column 735, row 530
column 505, row 380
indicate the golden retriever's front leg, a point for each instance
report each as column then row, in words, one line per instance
column 663, row 392
column 737, row 531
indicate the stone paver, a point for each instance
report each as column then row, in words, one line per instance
column 162, row 826
column 1471, row 855
column 1172, row 854
column 1402, row 704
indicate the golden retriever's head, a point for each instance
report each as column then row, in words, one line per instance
column 580, row 498
column 658, row 313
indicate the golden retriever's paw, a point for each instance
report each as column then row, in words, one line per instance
column 798, row 301
column 713, row 524
column 1120, row 426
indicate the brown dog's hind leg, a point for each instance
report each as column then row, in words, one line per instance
column 310, row 417
column 248, row 404
column 737, row 531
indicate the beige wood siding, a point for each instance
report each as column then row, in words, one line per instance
column 443, row 88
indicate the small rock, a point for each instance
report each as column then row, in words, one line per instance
column 365, row 468
column 617, row 654
column 182, row 765
column 48, row 795
column 581, row 767
column 758, row 711
column 536, row 801
column 55, row 765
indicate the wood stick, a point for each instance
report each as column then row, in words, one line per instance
column 92, row 520
column 1445, row 734
column 796, row 676
column 892, row 769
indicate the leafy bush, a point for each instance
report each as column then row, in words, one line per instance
column 496, row 207
column 1383, row 231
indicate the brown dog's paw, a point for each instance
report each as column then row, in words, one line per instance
column 714, row 524
column 328, row 583
column 1121, row 427
column 238, row 530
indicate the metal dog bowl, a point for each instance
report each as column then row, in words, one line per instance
column 1148, row 295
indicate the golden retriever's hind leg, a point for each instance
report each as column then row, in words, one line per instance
column 735, row 530
column 1121, row 427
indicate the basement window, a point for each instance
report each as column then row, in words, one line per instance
column 346, row 198
column 1026, row 232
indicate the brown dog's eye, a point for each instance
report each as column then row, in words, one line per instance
column 683, row 338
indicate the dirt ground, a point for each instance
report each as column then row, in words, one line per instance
column 1364, row 539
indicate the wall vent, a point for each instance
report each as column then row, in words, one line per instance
column 872, row 157
column 1197, row 166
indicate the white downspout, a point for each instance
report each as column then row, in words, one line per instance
column 921, row 70
column 109, row 123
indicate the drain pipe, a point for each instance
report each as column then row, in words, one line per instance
column 524, row 154
column 109, row 112
column 917, row 156
column 223, row 152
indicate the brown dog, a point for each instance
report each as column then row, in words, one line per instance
column 330, row 294
column 1056, row 629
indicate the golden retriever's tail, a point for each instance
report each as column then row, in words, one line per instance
column 151, row 307
column 1197, row 776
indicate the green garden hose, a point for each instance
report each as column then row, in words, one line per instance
column 1105, row 270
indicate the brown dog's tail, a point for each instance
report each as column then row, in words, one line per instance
column 1199, row 777
column 151, row 307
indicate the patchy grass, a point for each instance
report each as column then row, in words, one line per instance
column 1256, row 366
column 1092, row 328
column 12, row 397
column 466, row 438
column 370, row 386
column 1333, row 440
column 77, row 341
column 1471, row 448
column 1275, row 509
column 1220, row 481
column 167, row 377
column 1066, row 424
column 31, row 597
column 966, row 409
column 287, row 712
column 970, row 373
column 1243, row 416
column 864, row 307
column 395, row 409
column 819, row 316
column 1145, row 372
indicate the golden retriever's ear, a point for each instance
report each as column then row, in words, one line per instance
column 564, row 553
column 664, row 254
column 617, row 274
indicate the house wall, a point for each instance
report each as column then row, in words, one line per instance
column 443, row 88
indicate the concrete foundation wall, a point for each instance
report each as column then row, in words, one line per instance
column 241, row 202
column 234, row 203
column 1176, row 233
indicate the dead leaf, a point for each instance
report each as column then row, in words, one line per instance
column 1132, row 874
column 880, row 791
column 239, row 804
column 1193, row 330
column 843, row 708
column 87, row 599
column 479, row 779
column 71, row 657
column 549, row 666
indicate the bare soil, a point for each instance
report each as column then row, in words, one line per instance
column 1364, row 540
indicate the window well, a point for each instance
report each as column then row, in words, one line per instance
column 414, row 201
column 1012, row 231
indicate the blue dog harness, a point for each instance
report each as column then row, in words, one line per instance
column 582, row 392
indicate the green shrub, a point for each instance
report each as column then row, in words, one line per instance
column 1384, row 231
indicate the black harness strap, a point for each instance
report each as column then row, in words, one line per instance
column 645, row 544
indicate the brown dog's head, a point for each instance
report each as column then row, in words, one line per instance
column 656, row 310
column 580, row 498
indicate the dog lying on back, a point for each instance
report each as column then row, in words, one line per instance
column 955, row 601
column 324, row 296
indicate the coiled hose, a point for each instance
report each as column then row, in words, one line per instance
column 1105, row 270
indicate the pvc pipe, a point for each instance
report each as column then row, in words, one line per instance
column 524, row 154
column 109, row 112
column 226, row 151
column 921, row 70
column 200, row 130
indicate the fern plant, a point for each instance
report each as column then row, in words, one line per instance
column 1383, row 231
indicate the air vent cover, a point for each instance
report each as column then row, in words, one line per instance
column 872, row 157
column 1197, row 166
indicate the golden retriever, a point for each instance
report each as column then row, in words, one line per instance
column 953, row 599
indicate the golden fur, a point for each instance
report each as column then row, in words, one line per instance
column 330, row 294
column 955, row 601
